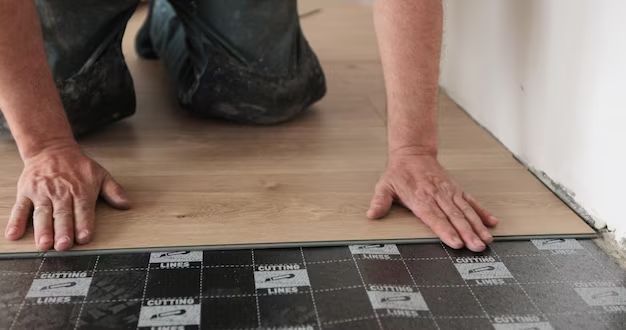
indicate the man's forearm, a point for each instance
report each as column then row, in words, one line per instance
column 29, row 99
column 409, row 37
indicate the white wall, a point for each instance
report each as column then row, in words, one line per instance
column 548, row 78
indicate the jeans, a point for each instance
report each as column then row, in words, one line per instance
column 240, row 60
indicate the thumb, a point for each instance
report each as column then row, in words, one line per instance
column 114, row 194
column 381, row 202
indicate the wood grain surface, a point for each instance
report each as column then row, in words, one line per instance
column 209, row 182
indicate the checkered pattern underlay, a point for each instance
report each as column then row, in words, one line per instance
column 538, row 284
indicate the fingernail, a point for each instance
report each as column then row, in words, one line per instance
column 63, row 242
column 457, row 242
column 11, row 231
column 479, row 244
column 494, row 219
column 83, row 236
column 372, row 214
column 44, row 242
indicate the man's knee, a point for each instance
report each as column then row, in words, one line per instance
column 243, row 95
column 222, row 70
column 83, row 45
column 100, row 94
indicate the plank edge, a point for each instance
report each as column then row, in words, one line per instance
column 504, row 238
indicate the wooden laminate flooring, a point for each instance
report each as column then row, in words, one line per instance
column 212, row 183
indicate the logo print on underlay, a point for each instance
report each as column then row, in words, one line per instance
column 269, row 279
column 396, row 300
column 173, row 256
column 553, row 241
column 375, row 251
column 603, row 296
column 385, row 249
column 520, row 322
column 557, row 244
column 481, row 269
column 163, row 312
column 371, row 246
column 523, row 326
column 175, row 259
column 58, row 286
column 175, row 253
column 280, row 277
column 168, row 314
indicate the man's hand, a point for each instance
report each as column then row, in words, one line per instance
column 409, row 37
column 60, row 186
column 421, row 184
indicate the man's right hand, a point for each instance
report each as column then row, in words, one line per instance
column 60, row 186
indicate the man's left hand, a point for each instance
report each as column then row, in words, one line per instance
column 421, row 184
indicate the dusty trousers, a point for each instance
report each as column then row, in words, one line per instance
column 240, row 60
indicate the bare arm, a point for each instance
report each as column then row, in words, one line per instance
column 409, row 37
column 409, row 41
column 33, row 98
column 58, row 182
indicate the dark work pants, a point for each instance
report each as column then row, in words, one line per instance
column 241, row 60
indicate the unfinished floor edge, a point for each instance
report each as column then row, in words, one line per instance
column 12, row 255
column 544, row 178
column 563, row 194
